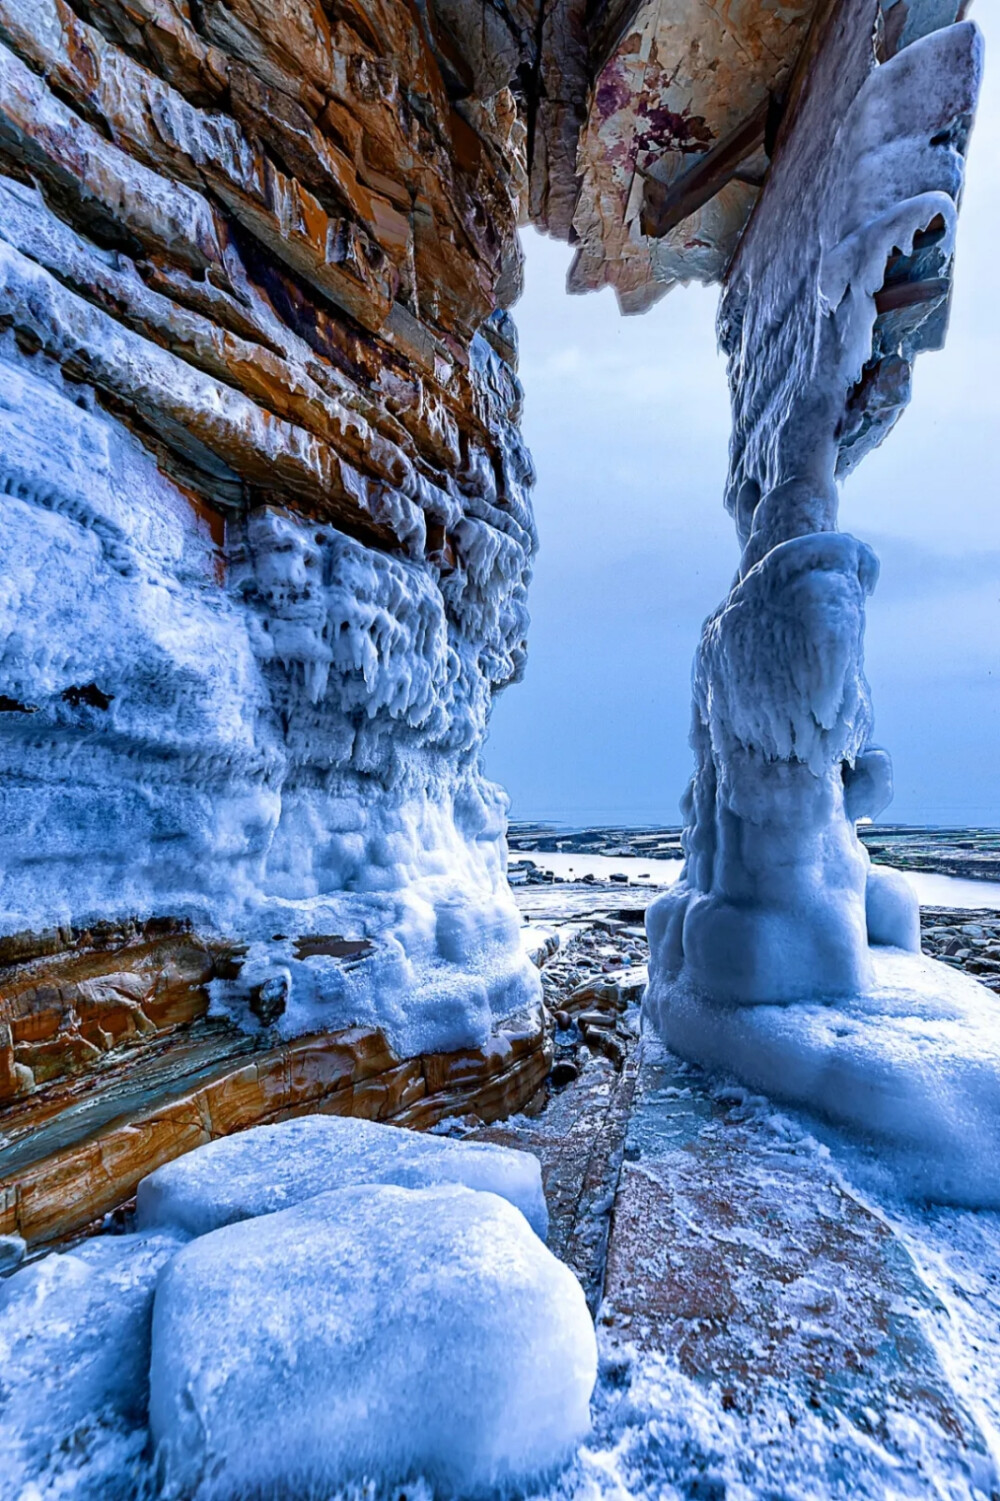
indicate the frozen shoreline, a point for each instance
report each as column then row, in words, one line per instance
column 932, row 890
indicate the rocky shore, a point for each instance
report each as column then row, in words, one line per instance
column 766, row 1310
column 971, row 853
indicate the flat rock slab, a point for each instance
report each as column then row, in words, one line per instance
column 579, row 1142
column 911, row 1064
column 737, row 1253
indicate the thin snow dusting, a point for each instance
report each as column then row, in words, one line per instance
column 662, row 1433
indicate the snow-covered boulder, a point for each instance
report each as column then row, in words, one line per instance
column 275, row 1167
column 371, row 1331
column 911, row 1064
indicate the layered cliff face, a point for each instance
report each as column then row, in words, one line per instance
column 267, row 529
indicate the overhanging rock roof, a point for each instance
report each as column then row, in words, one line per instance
column 672, row 154
column 651, row 123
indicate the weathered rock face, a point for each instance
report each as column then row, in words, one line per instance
column 678, row 88
column 659, row 123
column 266, row 531
column 78, row 1149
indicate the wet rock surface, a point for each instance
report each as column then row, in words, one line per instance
column 75, row 1152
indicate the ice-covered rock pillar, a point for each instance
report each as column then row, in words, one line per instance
column 840, row 278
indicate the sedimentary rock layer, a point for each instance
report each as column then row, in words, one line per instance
column 73, row 1154
column 267, row 529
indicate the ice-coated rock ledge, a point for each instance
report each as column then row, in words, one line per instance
column 911, row 1064
column 276, row 1167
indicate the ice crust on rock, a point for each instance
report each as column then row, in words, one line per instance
column 383, row 1296
column 271, row 1168
column 371, row 1331
column 294, row 752
column 74, row 1356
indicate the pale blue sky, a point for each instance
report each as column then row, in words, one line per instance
column 628, row 421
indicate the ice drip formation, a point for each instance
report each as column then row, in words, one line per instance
column 267, row 537
column 839, row 280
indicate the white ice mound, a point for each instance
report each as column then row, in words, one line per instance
column 912, row 1064
column 372, row 1332
column 275, row 1167
column 74, row 1353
